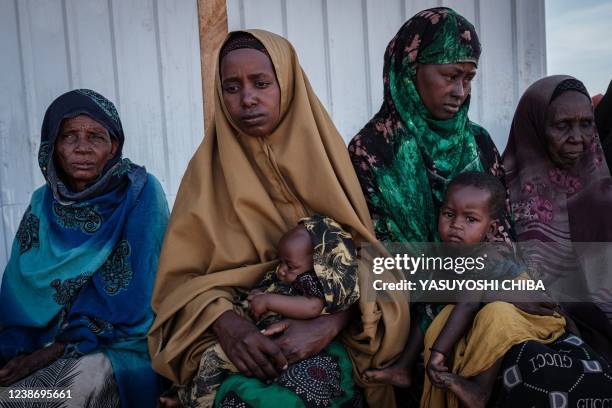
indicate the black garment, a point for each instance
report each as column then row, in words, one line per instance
column 603, row 121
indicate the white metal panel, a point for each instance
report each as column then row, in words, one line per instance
column 383, row 24
column 266, row 14
column 498, row 69
column 411, row 7
column 140, row 88
column 141, row 54
column 9, row 85
column 530, row 42
column 16, row 178
column 182, row 85
column 235, row 15
column 466, row 8
column 45, row 68
column 307, row 31
column 90, row 43
column 349, row 66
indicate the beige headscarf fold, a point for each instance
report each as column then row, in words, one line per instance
column 239, row 195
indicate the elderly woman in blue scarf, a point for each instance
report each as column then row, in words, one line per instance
column 75, row 295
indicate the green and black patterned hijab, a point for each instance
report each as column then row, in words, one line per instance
column 334, row 262
column 404, row 157
column 434, row 36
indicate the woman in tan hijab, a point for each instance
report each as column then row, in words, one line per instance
column 271, row 156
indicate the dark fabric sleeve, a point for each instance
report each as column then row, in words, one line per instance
column 492, row 162
column 268, row 281
column 603, row 121
column 362, row 159
column 603, row 115
column 307, row 284
column 359, row 158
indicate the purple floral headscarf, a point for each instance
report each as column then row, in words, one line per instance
column 558, row 210
column 546, row 200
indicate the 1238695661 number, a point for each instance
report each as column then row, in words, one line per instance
column 34, row 394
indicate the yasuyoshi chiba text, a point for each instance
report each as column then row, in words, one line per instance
column 461, row 284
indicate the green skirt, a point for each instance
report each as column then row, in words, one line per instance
column 324, row 380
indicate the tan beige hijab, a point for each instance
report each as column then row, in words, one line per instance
column 237, row 197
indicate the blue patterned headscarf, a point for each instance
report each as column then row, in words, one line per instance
column 100, row 109
column 83, row 264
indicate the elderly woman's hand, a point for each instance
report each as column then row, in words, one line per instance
column 305, row 338
column 250, row 351
column 25, row 364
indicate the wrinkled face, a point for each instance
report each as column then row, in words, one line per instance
column 82, row 149
column 465, row 215
column 443, row 88
column 294, row 254
column 570, row 128
column 250, row 91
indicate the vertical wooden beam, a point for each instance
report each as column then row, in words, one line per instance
column 212, row 20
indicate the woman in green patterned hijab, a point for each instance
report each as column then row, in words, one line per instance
column 422, row 137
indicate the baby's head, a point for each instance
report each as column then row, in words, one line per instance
column 473, row 204
column 318, row 259
column 294, row 253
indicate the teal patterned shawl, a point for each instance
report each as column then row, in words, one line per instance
column 82, row 265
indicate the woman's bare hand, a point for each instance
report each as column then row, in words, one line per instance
column 23, row 365
column 251, row 352
column 305, row 338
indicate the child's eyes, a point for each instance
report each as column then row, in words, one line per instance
column 471, row 219
column 448, row 214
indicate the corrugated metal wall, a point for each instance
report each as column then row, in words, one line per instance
column 141, row 54
column 144, row 56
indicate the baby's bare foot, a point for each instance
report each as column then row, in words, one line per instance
column 469, row 393
column 396, row 375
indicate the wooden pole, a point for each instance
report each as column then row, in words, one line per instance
column 212, row 20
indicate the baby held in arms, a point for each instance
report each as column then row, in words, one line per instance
column 316, row 274
column 473, row 204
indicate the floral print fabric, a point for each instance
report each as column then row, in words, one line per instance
column 404, row 158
